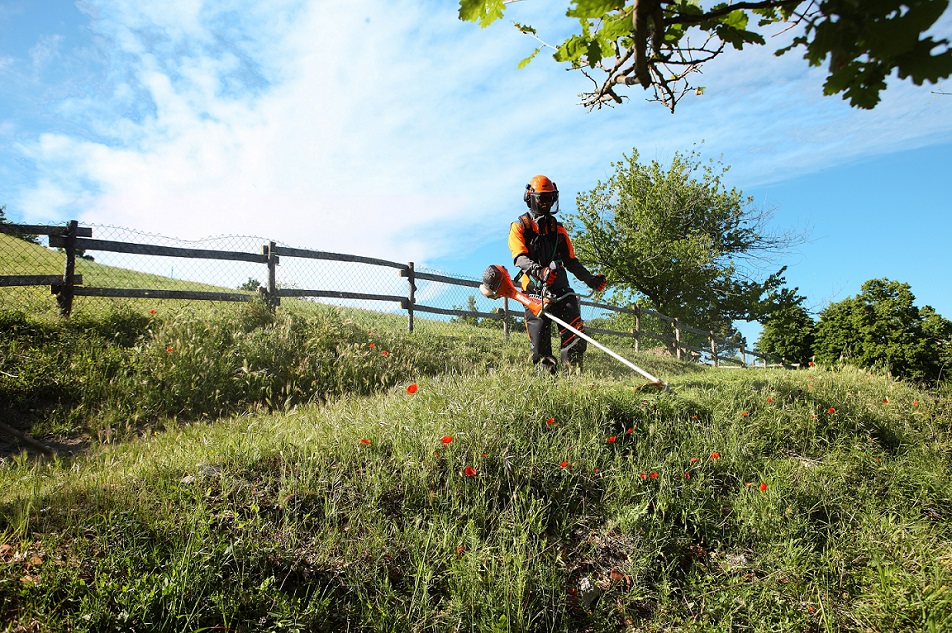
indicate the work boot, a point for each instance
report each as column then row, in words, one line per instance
column 547, row 365
column 572, row 363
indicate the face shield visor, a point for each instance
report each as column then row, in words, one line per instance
column 544, row 202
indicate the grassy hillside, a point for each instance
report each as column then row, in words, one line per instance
column 279, row 473
column 18, row 257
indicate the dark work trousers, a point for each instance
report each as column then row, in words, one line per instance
column 540, row 332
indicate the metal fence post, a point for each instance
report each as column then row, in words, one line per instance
column 411, row 296
column 271, row 291
column 505, row 317
column 65, row 295
column 677, row 339
column 637, row 311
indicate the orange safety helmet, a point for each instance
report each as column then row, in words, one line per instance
column 542, row 196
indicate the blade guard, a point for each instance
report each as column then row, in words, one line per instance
column 497, row 283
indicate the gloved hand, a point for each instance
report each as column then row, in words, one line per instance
column 597, row 283
column 546, row 275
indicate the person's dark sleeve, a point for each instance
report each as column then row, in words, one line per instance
column 572, row 264
column 520, row 253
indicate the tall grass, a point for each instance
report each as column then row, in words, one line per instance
column 490, row 499
column 122, row 370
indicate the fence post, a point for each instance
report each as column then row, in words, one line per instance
column 65, row 295
column 713, row 348
column 411, row 297
column 637, row 311
column 677, row 339
column 272, row 291
column 505, row 317
column 743, row 356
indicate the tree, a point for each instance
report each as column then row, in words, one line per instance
column 938, row 332
column 251, row 285
column 882, row 327
column 682, row 240
column 659, row 44
column 467, row 319
column 26, row 237
column 788, row 332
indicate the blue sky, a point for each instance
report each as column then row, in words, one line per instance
column 388, row 128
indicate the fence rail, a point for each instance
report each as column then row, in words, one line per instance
column 75, row 240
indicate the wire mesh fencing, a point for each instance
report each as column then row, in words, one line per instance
column 110, row 265
column 67, row 269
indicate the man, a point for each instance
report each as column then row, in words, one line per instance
column 542, row 250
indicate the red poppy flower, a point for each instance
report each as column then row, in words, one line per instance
column 550, row 421
column 447, row 439
column 485, row 455
column 412, row 388
column 629, row 431
column 694, row 460
column 595, row 471
column 168, row 349
column 694, row 417
column 915, row 403
column 436, row 453
column 371, row 345
column 769, row 399
column 611, row 440
column 653, row 475
column 715, row 455
column 643, row 476
column 687, row 475
column 364, row 441
column 564, row 464
column 370, row 333
column 831, row 410
column 885, row 400
column 744, row 414
column 470, row 471
column 763, row 486
column 385, row 353
column 151, row 311
column 460, row 550
column 810, row 363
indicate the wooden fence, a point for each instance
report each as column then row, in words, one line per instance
column 73, row 239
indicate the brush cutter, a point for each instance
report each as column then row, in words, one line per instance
column 497, row 283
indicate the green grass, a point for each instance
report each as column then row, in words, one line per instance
column 274, row 473
column 18, row 257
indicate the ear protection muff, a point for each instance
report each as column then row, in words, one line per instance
column 525, row 196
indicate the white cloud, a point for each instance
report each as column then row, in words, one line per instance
column 391, row 129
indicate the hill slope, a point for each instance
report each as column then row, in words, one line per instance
column 496, row 500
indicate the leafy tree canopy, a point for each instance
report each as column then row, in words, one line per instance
column 659, row 44
column 681, row 239
column 788, row 332
column 882, row 327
